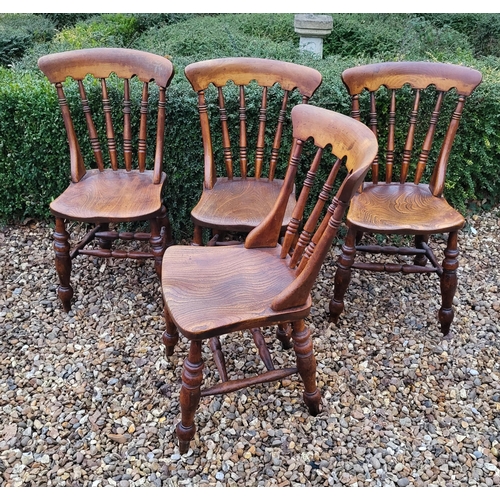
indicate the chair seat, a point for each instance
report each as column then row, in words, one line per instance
column 110, row 196
column 213, row 290
column 239, row 204
column 402, row 209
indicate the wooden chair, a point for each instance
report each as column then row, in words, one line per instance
column 403, row 206
column 212, row 291
column 99, row 196
column 238, row 203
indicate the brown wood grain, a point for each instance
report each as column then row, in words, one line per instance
column 242, row 70
column 101, row 62
column 112, row 196
column 239, row 204
column 213, row 290
column 402, row 209
column 418, row 74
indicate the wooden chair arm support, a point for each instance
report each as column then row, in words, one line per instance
column 267, row 233
column 436, row 183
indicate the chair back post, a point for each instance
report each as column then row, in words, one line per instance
column 267, row 233
column 77, row 165
column 160, row 136
column 436, row 184
column 210, row 174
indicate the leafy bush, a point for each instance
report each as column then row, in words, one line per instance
column 275, row 27
column 146, row 21
column 362, row 35
column 32, row 166
column 100, row 30
column 422, row 40
column 105, row 30
column 65, row 20
column 482, row 30
column 33, row 150
column 211, row 37
column 392, row 37
column 20, row 31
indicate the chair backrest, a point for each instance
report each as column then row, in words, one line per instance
column 307, row 241
column 421, row 121
column 241, row 71
column 102, row 63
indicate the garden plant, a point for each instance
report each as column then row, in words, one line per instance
column 33, row 160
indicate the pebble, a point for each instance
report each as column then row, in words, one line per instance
column 89, row 399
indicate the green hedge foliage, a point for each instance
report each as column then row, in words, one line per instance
column 33, row 151
column 64, row 20
column 481, row 30
column 395, row 36
column 20, row 31
column 222, row 36
column 98, row 30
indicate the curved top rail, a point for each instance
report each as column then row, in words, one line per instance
column 242, row 70
column 348, row 137
column 101, row 62
column 418, row 74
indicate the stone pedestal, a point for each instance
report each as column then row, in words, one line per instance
column 312, row 28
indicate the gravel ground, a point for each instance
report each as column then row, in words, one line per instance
column 89, row 399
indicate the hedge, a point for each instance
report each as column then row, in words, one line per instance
column 19, row 32
column 33, row 150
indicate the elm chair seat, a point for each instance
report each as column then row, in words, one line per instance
column 402, row 209
column 227, row 203
column 110, row 196
column 218, row 311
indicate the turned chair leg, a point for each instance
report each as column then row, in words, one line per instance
column 197, row 236
column 170, row 336
column 420, row 260
column 63, row 263
column 104, row 243
column 343, row 275
column 156, row 243
column 448, row 283
column 306, row 365
column 192, row 376
column 284, row 335
column 164, row 222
